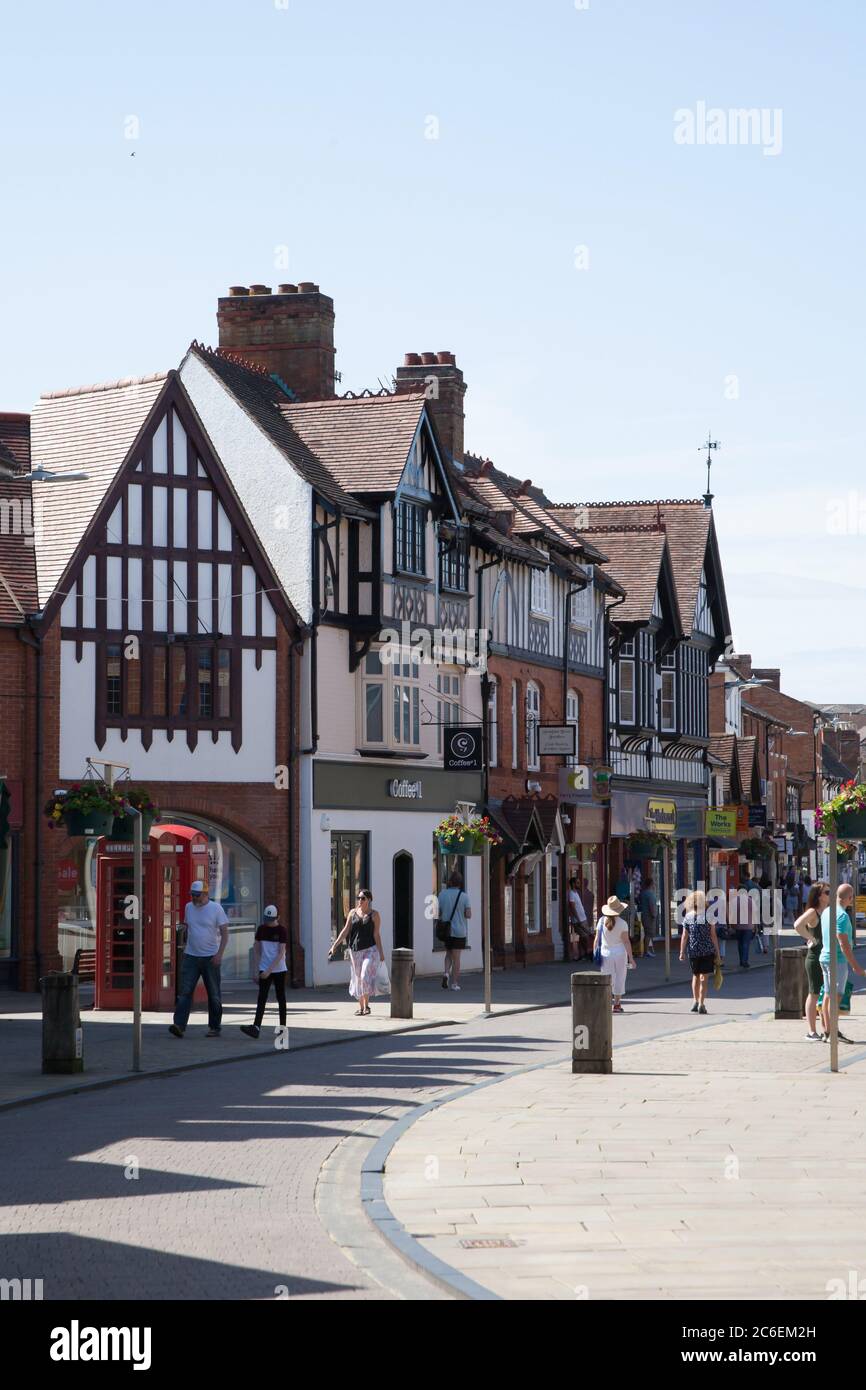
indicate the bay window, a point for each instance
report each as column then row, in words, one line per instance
column 396, row 687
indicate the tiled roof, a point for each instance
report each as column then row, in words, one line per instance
column 18, row 593
column 263, row 399
column 635, row 562
column 746, row 750
column 686, row 524
column 832, row 767
column 724, row 747
column 90, row 429
column 363, row 443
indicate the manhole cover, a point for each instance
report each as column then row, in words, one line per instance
column 491, row 1244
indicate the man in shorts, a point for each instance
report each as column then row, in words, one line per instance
column 845, row 959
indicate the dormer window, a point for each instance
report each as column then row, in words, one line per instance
column 409, row 528
column 540, row 592
column 454, row 565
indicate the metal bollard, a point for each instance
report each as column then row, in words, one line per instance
column 402, row 978
column 790, row 979
column 591, row 1023
column 62, row 1034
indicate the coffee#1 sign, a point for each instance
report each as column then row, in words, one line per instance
column 462, row 748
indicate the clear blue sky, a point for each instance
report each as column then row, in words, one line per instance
column 263, row 127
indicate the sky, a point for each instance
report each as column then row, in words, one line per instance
column 541, row 188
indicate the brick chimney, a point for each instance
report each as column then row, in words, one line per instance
column 290, row 333
column 441, row 380
column 771, row 674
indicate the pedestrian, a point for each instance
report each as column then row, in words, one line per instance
column 790, row 899
column 765, row 886
column 207, row 935
column 614, row 942
column 269, row 967
column 845, row 958
column 808, row 925
column 364, row 945
column 455, row 910
column 577, row 922
column 748, row 915
column 700, row 942
column 649, row 911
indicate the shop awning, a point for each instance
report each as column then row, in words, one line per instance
column 527, row 825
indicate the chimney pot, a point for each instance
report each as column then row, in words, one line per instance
column 526, row 485
column 429, row 358
column 287, row 289
column 286, row 334
column 236, row 290
column 446, row 359
column 260, row 289
column 307, row 287
column 412, row 359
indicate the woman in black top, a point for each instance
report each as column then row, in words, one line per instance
column 364, row 943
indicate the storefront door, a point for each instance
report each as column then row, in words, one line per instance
column 349, row 873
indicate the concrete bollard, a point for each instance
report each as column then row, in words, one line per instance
column 791, row 984
column 62, row 1035
column 591, row 1023
column 402, row 980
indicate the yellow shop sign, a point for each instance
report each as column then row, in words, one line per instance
column 722, row 824
column 661, row 816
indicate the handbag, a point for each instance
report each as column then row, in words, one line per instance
column 443, row 928
column 718, row 974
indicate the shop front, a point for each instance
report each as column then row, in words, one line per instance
column 585, row 825
column 527, row 889
column 678, row 818
column 373, row 827
column 11, row 823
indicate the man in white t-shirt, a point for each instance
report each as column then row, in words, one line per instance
column 207, row 935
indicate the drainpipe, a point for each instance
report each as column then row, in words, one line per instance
column 485, row 682
column 34, row 639
column 606, row 725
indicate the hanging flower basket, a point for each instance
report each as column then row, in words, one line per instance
column 88, row 808
column 845, row 815
column 124, row 825
column 758, row 848
column 645, row 845
column 845, row 850
column 456, row 836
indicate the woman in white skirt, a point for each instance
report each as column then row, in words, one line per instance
column 611, row 934
column 364, row 950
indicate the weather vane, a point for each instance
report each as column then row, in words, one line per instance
column 710, row 445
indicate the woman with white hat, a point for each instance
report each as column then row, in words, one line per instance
column 612, row 939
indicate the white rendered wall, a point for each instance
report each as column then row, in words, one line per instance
column 276, row 499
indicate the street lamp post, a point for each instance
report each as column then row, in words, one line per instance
column 834, row 997
column 109, row 775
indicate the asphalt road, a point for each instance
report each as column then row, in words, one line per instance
column 203, row 1185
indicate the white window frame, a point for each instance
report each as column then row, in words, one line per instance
column 532, row 714
column 515, row 724
column 572, row 716
column 447, row 702
column 394, row 679
column 493, row 724
column 539, row 592
column 532, row 893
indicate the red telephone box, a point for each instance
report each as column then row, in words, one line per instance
column 173, row 857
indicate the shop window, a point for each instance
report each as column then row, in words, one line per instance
column 508, row 914
column 234, row 881
column 533, row 708
column 349, row 874
column 532, row 902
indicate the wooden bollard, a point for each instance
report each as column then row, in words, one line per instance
column 790, row 979
column 591, row 1023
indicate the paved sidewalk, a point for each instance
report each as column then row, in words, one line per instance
column 723, row 1163
column 315, row 1017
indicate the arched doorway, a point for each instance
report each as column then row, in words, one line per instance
column 235, row 882
column 404, row 897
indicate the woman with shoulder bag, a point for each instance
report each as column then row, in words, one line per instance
column 454, row 912
column 364, row 942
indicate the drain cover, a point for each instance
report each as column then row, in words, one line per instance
column 491, row 1244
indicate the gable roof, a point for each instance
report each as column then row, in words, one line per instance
column 637, row 559
column 363, row 442
column 89, row 429
column 689, row 528
column 724, row 748
column 18, row 591
column 747, row 754
column 262, row 398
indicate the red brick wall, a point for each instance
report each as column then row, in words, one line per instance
column 717, row 703
column 258, row 812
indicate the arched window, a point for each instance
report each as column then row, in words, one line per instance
column 533, row 713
